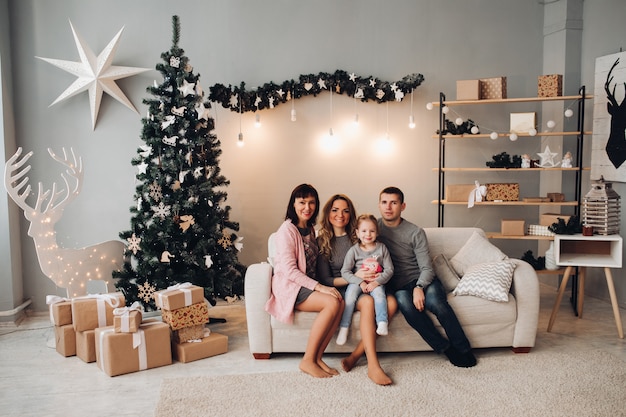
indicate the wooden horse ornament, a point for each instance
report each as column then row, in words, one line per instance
column 68, row 268
column 616, row 145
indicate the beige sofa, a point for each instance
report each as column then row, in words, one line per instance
column 486, row 323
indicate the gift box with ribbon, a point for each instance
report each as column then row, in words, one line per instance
column 95, row 310
column 189, row 333
column 128, row 319
column 65, row 340
column 123, row 353
column 60, row 310
column 502, row 192
column 187, row 316
column 210, row 345
column 179, row 296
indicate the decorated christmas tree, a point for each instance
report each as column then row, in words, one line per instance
column 180, row 226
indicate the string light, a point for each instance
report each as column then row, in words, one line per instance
column 293, row 107
column 411, row 118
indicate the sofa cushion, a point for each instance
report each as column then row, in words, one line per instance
column 476, row 250
column 490, row 280
column 444, row 271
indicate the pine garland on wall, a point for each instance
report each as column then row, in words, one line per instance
column 180, row 228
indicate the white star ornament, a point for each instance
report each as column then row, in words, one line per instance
column 95, row 75
column 547, row 158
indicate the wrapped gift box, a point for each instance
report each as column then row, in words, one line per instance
column 523, row 122
column 128, row 319
column 187, row 316
column 556, row 197
column 86, row 345
column 65, row 338
column 493, row 88
column 123, row 353
column 548, row 219
column 459, row 192
column 179, row 296
column 60, row 310
column 213, row 344
column 189, row 333
column 502, row 192
column 468, row 90
column 512, row 227
column 550, row 85
column 95, row 310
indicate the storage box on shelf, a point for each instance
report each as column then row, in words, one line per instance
column 555, row 204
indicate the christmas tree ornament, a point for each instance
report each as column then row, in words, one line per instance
column 146, row 292
column 166, row 256
column 133, row 244
column 547, row 158
column 95, row 75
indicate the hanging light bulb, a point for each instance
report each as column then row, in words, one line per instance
column 330, row 131
column 356, row 115
column 257, row 121
column 293, row 107
column 240, row 141
column 411, row 118
column 240, row 136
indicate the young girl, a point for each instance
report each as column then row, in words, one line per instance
column 369, row 254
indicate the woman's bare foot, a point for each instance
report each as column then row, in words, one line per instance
column 379, row 376
column 313, row 369
column 348, row 363
column 326, row 368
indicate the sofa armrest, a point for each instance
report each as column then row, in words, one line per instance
column 525, row 289
column 257, row 290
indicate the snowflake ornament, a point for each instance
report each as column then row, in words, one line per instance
column 133, row 243
column 155, row 191
column 146, row 291
column 161, row 211
column 225, row 240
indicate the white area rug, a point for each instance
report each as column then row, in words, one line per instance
column 590, row 383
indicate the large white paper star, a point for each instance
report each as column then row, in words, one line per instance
column 547, row 158
column 95, row 74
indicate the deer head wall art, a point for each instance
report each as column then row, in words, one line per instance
column 68, row 268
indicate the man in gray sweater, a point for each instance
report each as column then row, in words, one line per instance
column 414, row 283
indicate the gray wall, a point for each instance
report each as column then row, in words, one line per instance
column 276, row 40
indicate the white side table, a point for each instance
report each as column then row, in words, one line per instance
column 588, row 251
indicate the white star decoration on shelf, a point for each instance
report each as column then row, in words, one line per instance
column 547, row 158
column 95, row 75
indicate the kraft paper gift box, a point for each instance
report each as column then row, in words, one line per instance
column 493, row 88
column 523, row 122
column 95, row 310
column 178, row 296
column 550, row 85
column 60, row 310
column 128, row 319
column 123, row 353
column 65, row 339
column 86, row 345
column 187, row 316
column 468, row 90
column 211, row 345
column 459, row 192
column 502, row 192
column 189, row 333
column 512, row 227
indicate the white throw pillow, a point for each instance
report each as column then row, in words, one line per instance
column 490, row 280
column 446, row 274
column 477, row 250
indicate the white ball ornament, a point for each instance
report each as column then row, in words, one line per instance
column 494, row 135
column 445, row 110
column 513, row 137
column 532, row 132
column 429, row 106
column 551, row 124
column 474, row 129
column 569, row 113
column 458, row 121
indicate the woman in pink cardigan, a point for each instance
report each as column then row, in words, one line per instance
column 294, row 285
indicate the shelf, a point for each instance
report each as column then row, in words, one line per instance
column 512, row 100
column 497, row 235
column 516, row 170
column 504, row 135
column 510, row 203
column 591, row 251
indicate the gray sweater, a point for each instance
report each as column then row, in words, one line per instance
column 408, row 246
column 354, row 261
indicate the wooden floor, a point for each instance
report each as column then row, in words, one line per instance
column 36, row 381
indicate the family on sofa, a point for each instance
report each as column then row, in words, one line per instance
column 308, row 280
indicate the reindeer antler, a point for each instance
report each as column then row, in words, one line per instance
column 609, row 78
column 74, row 170
column 17, row 192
